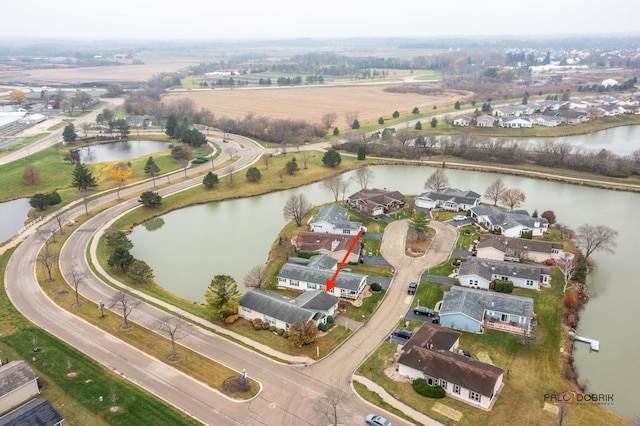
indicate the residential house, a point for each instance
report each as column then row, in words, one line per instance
column 631, row 109
column 547, row 120
column 509, row 223
column 523, row 110
column 506, row 111
column 499, row 247
column 462, row 120
column 479, row 273
column 281, row 311
column 515, row 122
column 475, row 310
column 570, row 116
column 376, row 202
column 448, row 199
column 485, row 121
column 334, row 245
column 37, row 412
column 334, row 219
column 610, row 110
column 430, row 354
column 18, row 383
column 313, row 273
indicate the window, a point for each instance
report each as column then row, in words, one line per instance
column 474, row 396
column 245, row 309
column 530, row 283
column 346, row 231
column 430, row 381
column 456, row 389
column 555, row 251
column 270, row 320
column 443, row 384
column 294, row 283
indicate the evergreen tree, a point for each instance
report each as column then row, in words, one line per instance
column 120, row 259
column 253, row 174
column 69, row 133
column 170, row 128
column 151, row 169
column 222, row 295
column 418, row 125
column 434, row 122
column 292, row 166
column 82, row 179
column 381, row 120
column 416, row 110
column 336, row 131
column 362, row 152
column 210, row 180
column 355, row 125
column 457, row 105
column 150, row 199
column 331, row 158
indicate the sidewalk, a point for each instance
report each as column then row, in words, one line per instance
column 415, row 415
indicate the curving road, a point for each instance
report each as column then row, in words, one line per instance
column 290, row 394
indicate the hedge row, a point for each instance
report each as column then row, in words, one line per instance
column 423, row 388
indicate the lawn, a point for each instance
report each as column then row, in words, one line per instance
column 429, row 293
column 369, row 304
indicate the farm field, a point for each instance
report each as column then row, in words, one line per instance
column 310, row 103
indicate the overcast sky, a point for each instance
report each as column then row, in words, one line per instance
column 265, row 19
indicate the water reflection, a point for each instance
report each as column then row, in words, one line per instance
column 153, row 224
column 118, row 151
column 13, row 215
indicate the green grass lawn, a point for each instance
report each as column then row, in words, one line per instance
column 372, row 247
column 369, row 304
column 429, row 293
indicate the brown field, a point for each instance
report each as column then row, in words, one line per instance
column 310, row 103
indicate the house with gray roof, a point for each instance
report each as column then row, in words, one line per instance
column 510, row 223
column 334, row 219
column 281, row 311
column 37, row 412
column 376, row 202
column 18, row 383
column 485, row 121
column 514, row 122
column 500, row 247
column 452, row 199
column 479, row 273
column 474, row 310
column 462, row 120
column 312, row 274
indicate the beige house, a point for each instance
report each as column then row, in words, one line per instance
column 499, row 247
column 18, row 383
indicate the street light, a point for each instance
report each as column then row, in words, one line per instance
column 101, row 304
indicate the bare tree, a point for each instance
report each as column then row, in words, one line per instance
column 329, row 119
column 124, row 301
column 85, row 201
column 113, row 396
column 296, row 207
column 437, row 181
column 334, row 184
column 568, row 265
column 256, row 276
column 58, row 215
column 176, row 328
column 495, row 191
column 331, row 406
column 512, row 198
column 77, row 279
column 344, row 186
column 563, row 412
column 363, row 176
column 305, row 156
column 184, row 163
column 591, row 238
column 231, row 170
column 403, row 136
column 47, row 259
column 350, row 117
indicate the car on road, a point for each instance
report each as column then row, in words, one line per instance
column 402, row 333
column 459, row 217
column 374, row 420
column 412, row 288
column 225, row 141
column 423, row 310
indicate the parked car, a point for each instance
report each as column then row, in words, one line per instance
column 423, row 310
column 412, row 288
column 225, row 141
column 402, row 333
column 373, row 420
column 458, row 218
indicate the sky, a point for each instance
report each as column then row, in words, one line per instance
column 288, row 19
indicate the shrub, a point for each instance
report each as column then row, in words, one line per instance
column 423, row 388
column 570, row 301
column 265, row 325
column 53, row 198
column 280, row 331
column 257, row 323
column 375, row 287
column 198, row 160
column 272, row 328
column 231, row 319
column 322, row 327
column 285, row 334
column 307, row 254
column 503, row 286
column 330, row 319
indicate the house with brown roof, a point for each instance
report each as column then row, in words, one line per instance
column 333, row 245
column 376, row 202
column 18, row 383
column 500, row 247
column 430, row 354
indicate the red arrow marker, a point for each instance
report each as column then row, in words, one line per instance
column 330, row 284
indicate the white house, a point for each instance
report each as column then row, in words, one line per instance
column 18, row 383
column 429, row 355
column 448, row 199
column 514, row 122
column 479, row 273
column 462, row 120
column 499, row 247
column 485, row 121
column 334, row 219
column 334, row 245
column 512, row 223
column 547, row 121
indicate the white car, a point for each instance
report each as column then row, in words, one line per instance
column 459, row 218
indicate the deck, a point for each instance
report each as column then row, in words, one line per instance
column 595, row 344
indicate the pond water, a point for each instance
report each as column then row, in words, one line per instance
column 119, row 151
column 13, row 215
column 186, row 248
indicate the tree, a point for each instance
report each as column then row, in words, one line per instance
column 222, row 296
column 437, row 181
column 17, row 97
column 116, row 238
column 381, row 120
column 176, row 328
column 140, row 271
column 120, row 171
column 181, row 151
column 255, row 277
column 550, row 216
column 568, row 265
column 363, row 176
column 151, row 169
column 77, row 279
column 39, row 201
column 434, row 122
column 331, row 406
column 305, row 156
column 418, row 125
column 355, row 125
column 331, row 158
column 328, row 119
column 336, row 131
column 292, row 166
column 82, row 100
column 362, row 153
column 150, row 199
column 395, row 114
column 170, row 128
column 512, row 198
column 253, row 174
column 69, row 133
column 67, row 105
column 31, row 174
column 457, row 105
column 210, row 180
column 419, row 224
column 105, row 116
column 47, row 259
column 82, row 179
column 121, row 126
column 125, row 302
column 591, row 238
column 296, row 207
column 302, row 333
column 335, row 185
column 495, row 191
column 120, row 259
column 415, row 110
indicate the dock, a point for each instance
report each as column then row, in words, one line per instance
column 595, row 344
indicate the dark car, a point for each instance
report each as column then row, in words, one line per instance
column 423, row 310
column 402, row 333
column 412, row 288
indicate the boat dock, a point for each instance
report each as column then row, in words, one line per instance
column 595, row 344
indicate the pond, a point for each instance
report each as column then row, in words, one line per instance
column 120, row 151
column 13, row 214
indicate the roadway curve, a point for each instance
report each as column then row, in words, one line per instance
column 290, row 394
